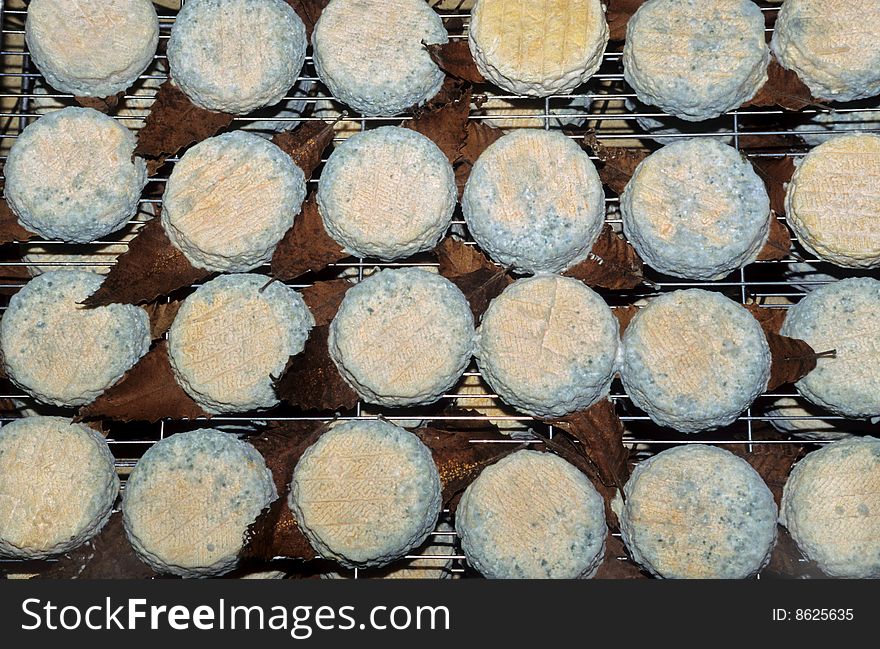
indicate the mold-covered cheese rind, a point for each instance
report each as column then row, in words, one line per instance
column 832, row 46
column 831, row 507
column 841, row 316
column 534, row 201
column 694, row 360
column 371, row 53
column 72, row 175
column 831, row 202
column 62, row 353
column 232, row 336
column 57, row 486
column 230, row 200
column 91, row 49
column 366, row 493
column 387, row 193
column 698, row 512
column 696, row 59
column 190, row 499
column 548, row 345
column 532, row 515
column 696, row 209
column 538, row 49
column 402, row 337
column 234, row 56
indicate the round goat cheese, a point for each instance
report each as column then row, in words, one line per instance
column 402, row 337
column 696, row 209
column 833, row 45
column 539, row 49
column 694, row 360
column 72, row 175
column 831, row 506
column 696, row 59
column 532, row 515
column 190, row 499
column 843, row 316
column 697, row 512
column 831, row 202
column 62, row 353
column 57, row 486
column 548, row 345
column 232, row 336
column 387, row 193
column 230, row 200
column 534, row 202
column 234, row 56
column 371, row 53
column 91, row 49
column 366, row 493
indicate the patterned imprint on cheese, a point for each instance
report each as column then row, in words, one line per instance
column 90, row 48
column 538, row 47
column 685, row 349
column 832, row 45
column 834, row 201
column 366, row 492
column 56, row 482
column 228, row 355
column 190, row 499
column 831, row 505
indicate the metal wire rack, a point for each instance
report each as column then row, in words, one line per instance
column 606, row 104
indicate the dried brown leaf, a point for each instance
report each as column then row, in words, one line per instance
column 478, row 138
column 451, row 91
column 151, row 268
column 173, row 123
column 147, row 392
column 612, row 263
column 460, row 456
column 481, row 287
column 615, row 567
column 778, row 244
column 10, row 229
column 458, row 258
column 324, row 298
column 446, row 126
column 161, row 314
column 306, row 144
column 311, row 380
column 618, row 163
column 309, row 11
column 306, row 246
column 275, row 532
column 469, row 269
column 455, row 58
column 108, row 555
column 600, row 433
column 771, row 320
column 791, row 360
column 784, row 89
column 624, row 315
column 618, row 13
column 776, row 173
column 106, row 105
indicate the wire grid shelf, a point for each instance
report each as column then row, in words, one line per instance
column 606, row 104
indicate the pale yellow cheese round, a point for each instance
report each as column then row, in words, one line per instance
column 833, row 204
